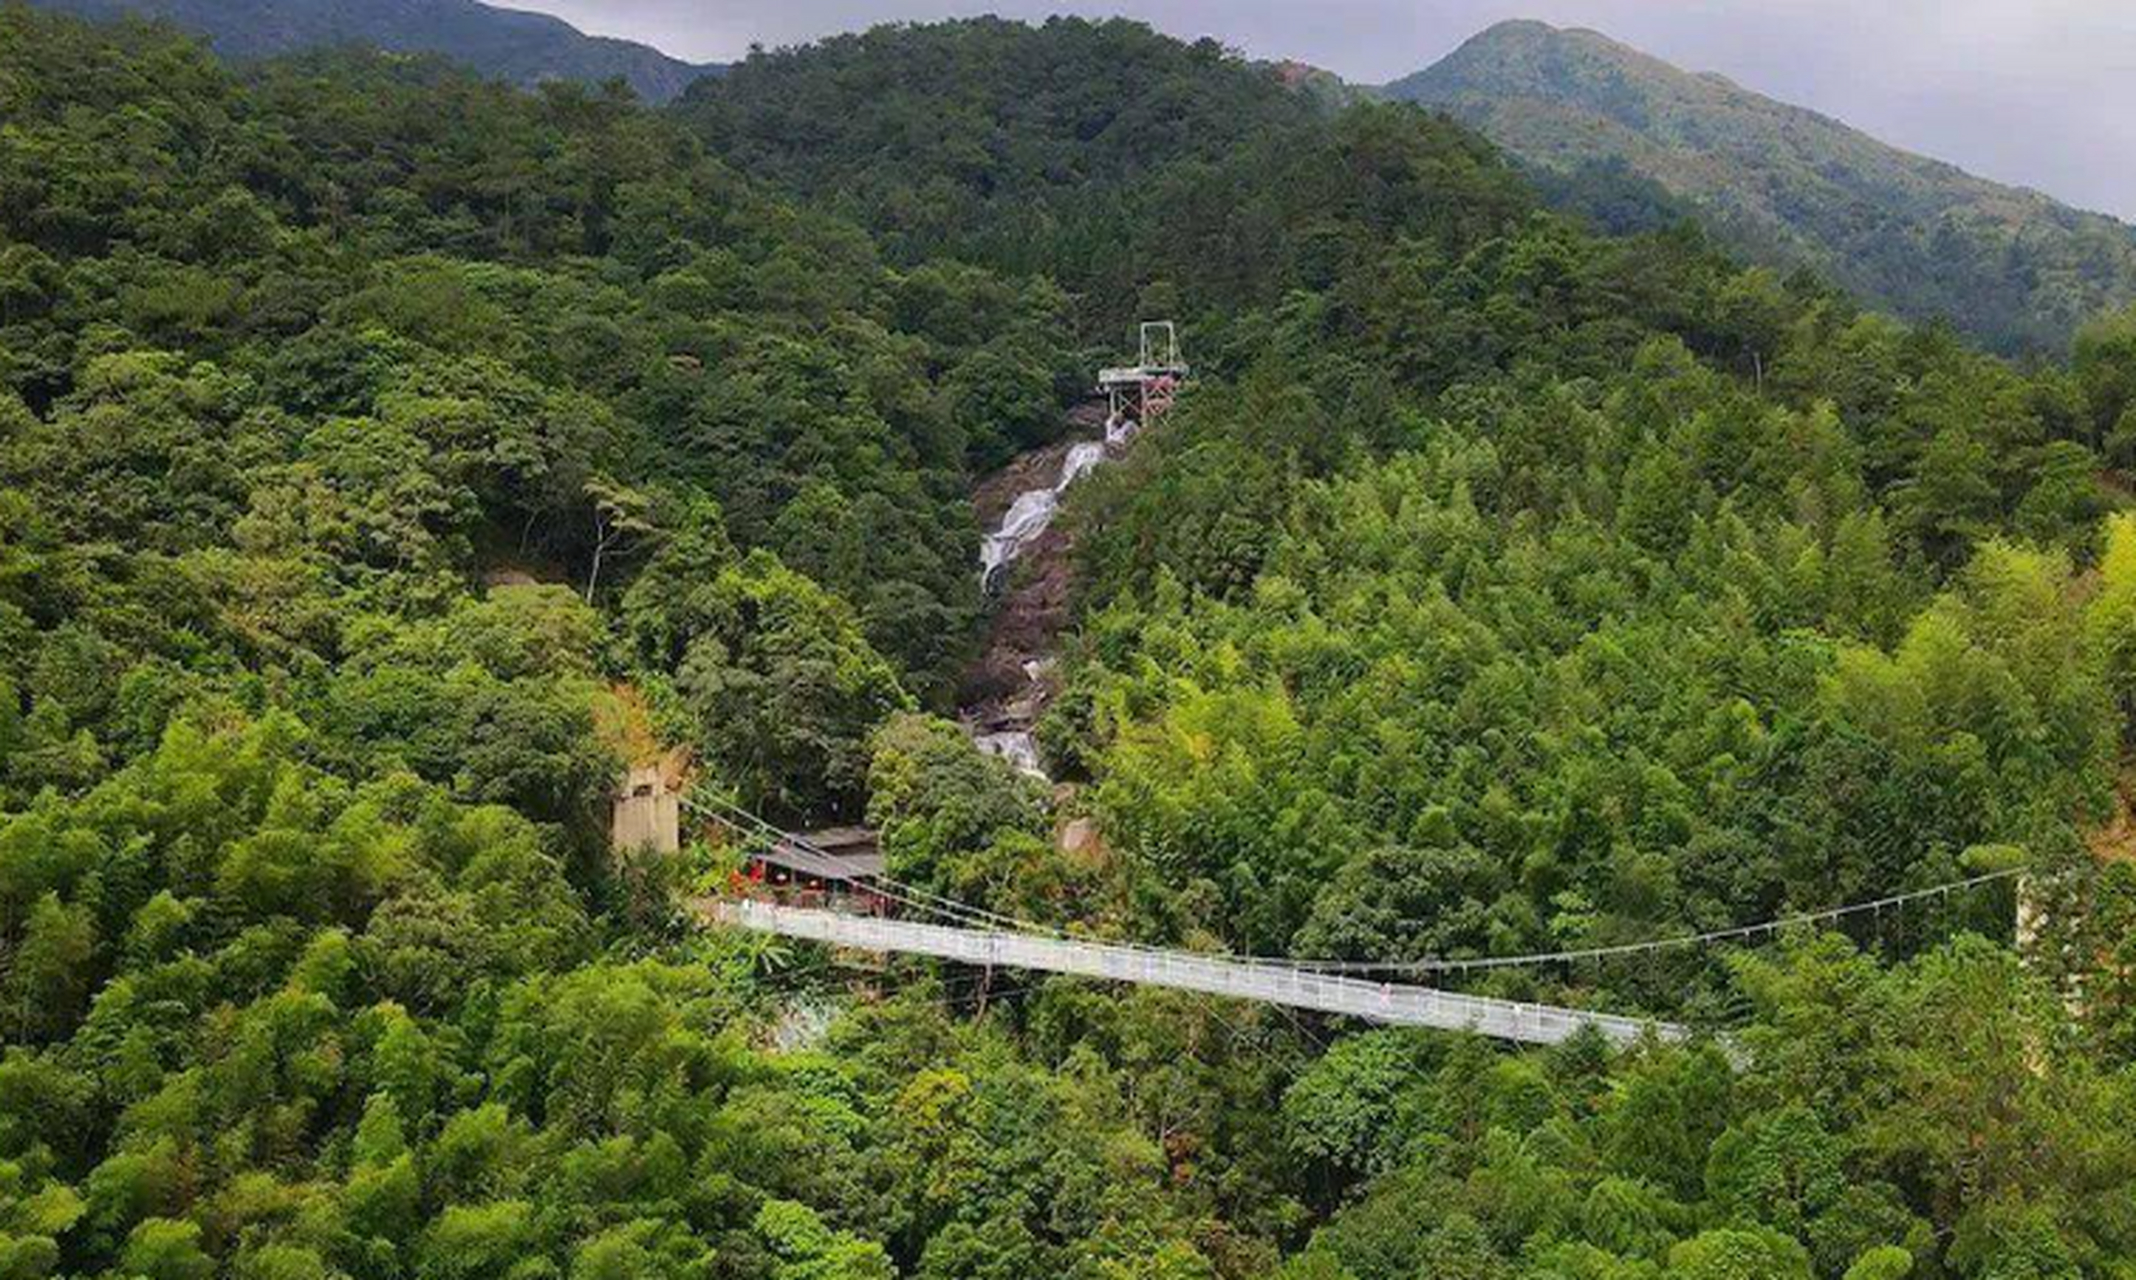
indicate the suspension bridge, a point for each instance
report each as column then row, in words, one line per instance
column 984, row 939
column 1395, row 1003
column 1360, row 989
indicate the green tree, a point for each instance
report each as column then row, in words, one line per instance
column 163, row 1249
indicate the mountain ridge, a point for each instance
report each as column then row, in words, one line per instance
column 518, row 45
column 1788, row 184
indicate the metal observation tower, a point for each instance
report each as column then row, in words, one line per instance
column 1144, row 390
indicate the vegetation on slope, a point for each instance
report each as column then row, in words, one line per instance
column 1025, row 148
column 2011, row 267
column 301, row 362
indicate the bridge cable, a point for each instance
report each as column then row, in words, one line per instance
column 1657, row 944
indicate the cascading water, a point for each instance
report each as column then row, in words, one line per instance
column 1032, row 514
column 1025, row 522
column 1016, row 746
column 1082, row 456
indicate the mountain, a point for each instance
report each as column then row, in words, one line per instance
column 1791, row 187
column 508, row 44
column 993, row 141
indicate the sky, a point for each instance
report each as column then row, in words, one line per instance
column 2037, row 92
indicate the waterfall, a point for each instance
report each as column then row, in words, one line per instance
column 1082, row 456
column 1032, row 514
column 1027, row 520
column 1016, row 746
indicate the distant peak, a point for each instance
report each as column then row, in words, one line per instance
column 1517, row 27
column 1527, row 32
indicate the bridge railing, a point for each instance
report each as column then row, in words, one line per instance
column 1271, row 983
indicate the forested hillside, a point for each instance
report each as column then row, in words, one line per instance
column 1786, row 186
column 1026, row 147
column 501, row 42
column 388, row 457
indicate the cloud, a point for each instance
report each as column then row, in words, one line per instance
column 2030, row 91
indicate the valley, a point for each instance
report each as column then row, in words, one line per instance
column 1525, row 768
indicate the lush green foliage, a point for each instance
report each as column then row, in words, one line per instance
column 1146, row 176
column 256, row 1014
column 385, row 458
column 988, row 137
column 296, row 364
column 1864, row 1140
column 1587, row 659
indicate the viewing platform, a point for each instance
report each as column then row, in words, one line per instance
column 1145, row 389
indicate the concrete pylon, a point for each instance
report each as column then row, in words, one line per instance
column 648, row 814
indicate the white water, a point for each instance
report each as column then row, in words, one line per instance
column 1082, row 456
column 1016, row 746
column 1032, row 513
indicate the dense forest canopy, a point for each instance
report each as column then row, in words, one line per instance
column 1143, row 175
column 387, row 458
column 990, row 138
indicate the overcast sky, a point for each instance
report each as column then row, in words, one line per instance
column 2040, row 92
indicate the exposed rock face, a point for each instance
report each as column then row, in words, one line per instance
column 1006, row 690
column 1081, row 840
